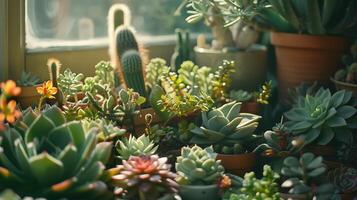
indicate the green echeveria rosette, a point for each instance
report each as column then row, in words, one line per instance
column 226, row 128
column 323, row 117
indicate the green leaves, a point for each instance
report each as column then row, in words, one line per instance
column 46, row 169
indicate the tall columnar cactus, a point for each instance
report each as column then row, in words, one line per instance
column 54, row 67
column 132, row 69
column 182, row 50
column 125, row 40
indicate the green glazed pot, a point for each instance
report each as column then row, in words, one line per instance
column 199, row 192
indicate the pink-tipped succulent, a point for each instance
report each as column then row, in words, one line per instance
column 145, row 177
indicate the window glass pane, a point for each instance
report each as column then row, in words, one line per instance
column 67, row 22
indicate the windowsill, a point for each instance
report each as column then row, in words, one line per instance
column 99, row 43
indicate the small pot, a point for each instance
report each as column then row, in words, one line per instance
column 139, row 119
column 345, row 86
column 238, row 164
column 29, row 96
column 293, row 196
column 251, row 107
column 199, row 192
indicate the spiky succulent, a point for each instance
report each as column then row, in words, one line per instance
column 135, row 147
column 45, row 156
column 226, row 128
column 344, row 179
column 106, row 131
column 323, row 117
column 307, row 176
column 197, row 166
column 144, row 178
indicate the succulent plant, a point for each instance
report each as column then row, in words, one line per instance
column 307, row 176
column 106, row 131
column 323, row 117
column 222, row 80
column 156, row 68
column 144, row 178
column 131, row 64
column 54, row 67
column 265, row 188
column 28, row 79
column 197, row 166
column 70, row 83
column 300, row 92
column 104, row 73
column 344, row 179
column 349, row 74
column 226, row 128
column 240, row 95
column 135, row 147
column 182, row 49
column 42, row 155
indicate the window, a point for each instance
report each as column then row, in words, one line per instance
column 54, row 23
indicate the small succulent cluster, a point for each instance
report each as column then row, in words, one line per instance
column 222, row 80
column 141, row 146
column 226, row 128
column 144, row 178
column 349, row 74
column 307, row 176
column 45, row 156
column 156, row 68
column 323, row 117
column 70, row 83
column 261, row 97
column 197, row 166
column 106, row 131
column 265, row 188
column 344, row 179
column 28, row 79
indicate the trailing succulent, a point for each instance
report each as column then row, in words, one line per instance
column 344, row 179
column 227, row 129
column 135, row 147
column 197, row 166
column 144, row 178
column 265, row 188
column 323, row 117
column 42, row 155
column 307, row 176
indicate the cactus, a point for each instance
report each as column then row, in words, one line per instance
column 54, row 67
column 125, row 40
column 197, row 166
column 182, row 50
column 132, row 69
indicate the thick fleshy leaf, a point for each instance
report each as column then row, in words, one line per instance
column 46, row 169
column 69, row 157
column 337, row 98
column 55, row 115
column 60, row 136
column 317, row 172
column 311, row 135
column 77, row 134
column 336, row 122
column 39, row 128
column 231, row 126
column 29, row 117
column 226, row 107
column 291, row 162
column 326, row 135
column 234, row 111
column 306, row 158
column 216, row 123
column 215, row 113
column 296, row 114
column 244, row 132
column 213, row 135
column 346, row 111
column 301, row 126
column 316, row 163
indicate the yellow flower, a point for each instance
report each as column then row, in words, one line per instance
column 8, row 111
column 47, row 90
column 9, row 88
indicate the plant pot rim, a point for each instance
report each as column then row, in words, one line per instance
column 213, row 186
column 343, row 83
column 236, row 155
column 295, row 40
column 255, row 48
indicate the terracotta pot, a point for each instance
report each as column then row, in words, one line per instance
column 249, row 63
column 306, row 58
column 251, row 107
column 139, row 120
column 199, row 192
column 238, row 164
column 28, row 97
column 293, row 196
column 345, row 86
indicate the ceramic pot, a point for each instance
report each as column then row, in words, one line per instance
column 238, row 164
column 199, row 192
column 293, row 196
column 28, row 96
column 251, row 65
column 306, row 58
column 251, row 107
column 345, row 86
column 139, row 120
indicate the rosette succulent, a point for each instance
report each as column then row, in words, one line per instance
column 323, row 117
column 106, row 131
column 42, row 155
column 226, row 129
column 135, row 147
column 344, row 179
column 197, row 166
column 307, row 176
column 144, row 178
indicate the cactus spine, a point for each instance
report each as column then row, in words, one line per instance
column 133, row 74
column 182, row 50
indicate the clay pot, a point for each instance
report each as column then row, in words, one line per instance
column 28, row 97
column 250, row 63
column 238, row 164
column 251, row 107
column 139, row 120
column 199, row 192
column 345, row 86
column 306, row 58
column 293, row 196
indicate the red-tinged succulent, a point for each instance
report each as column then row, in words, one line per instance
column 144, row 177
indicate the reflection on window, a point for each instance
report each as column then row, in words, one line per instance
column 71, row 22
